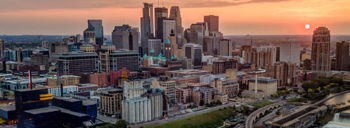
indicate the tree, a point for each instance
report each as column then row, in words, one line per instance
column 307, row 85
column 246, row 109
column 218, row 102
column 107, row 125
column 321, row 81
column 2, row 121
column 121, row 123
column 310, row 90
column 305, row 77
column 201, row 102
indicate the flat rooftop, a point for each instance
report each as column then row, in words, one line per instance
column 41, row 110
column 8, row 108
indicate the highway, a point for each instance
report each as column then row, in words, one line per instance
column 181, row 116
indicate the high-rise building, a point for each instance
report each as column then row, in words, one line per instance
column 146, row 25
column 169, row 88
column 283, row 72
column 125, row 37
column 320, row 56
column 2, row 47
column 290, row 51
column 89, row 36
column 76, row 63
column 213, row 22
column 159, row 12
column 194, row 52
column 342, row 56
column 270, row 49
column 78, row 38
column 96, row 25
column 169, row 26
column 116, row 60
column 225, row 47
column 260, row 59
column 155, row 47
column 39, row 59
column 175, row 14
column 197, row 32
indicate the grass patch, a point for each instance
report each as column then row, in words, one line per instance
column 261, row 103
column 326, row 118
column 209, row 120
column 297, row 100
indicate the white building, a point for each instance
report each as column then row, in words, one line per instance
column 290, row 51
column 271, row 49
column 56, row 90
column 137, row 109
column 225, row 47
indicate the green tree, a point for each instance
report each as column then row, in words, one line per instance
column 2, row 121
column 218, row 102
column 310, row 90
column 307, row 85
column 107, row 125
column 321, row 81
column 121, row 123
column 201, row 102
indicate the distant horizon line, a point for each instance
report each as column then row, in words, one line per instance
column 224, row 35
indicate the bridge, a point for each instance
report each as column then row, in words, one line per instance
column 262, row 111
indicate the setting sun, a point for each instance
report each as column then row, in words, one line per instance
column 307, row 26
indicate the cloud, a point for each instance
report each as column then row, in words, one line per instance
column 13, row 5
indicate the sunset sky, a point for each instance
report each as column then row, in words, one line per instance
column 237, row 17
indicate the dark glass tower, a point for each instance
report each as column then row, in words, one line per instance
column 96, row 25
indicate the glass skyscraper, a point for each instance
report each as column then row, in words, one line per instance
column 96, row 25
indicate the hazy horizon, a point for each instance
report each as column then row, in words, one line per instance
column 237, row 17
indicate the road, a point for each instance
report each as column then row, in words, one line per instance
column 106, row 118
column 249, row 121
column 181, row 116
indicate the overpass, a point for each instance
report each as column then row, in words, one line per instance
column 262, row 111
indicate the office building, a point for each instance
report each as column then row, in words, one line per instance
column 175, row 14
column 2, row 47
column 56, row 90
column 100, row 79
column 270, row 49
column 225, row 47
column 159, row 12
column 89, row 36
column 342, row 56
column 194, row 52
column 125, row 37
column 155, row 47
column 223, row 98
column 213, row 23
column 260, row 59
column 87, row 48
column 39, row 59
column 146, row 26
column 23, row 83
column 77, row 63
column 116, row 60
column 217, row 84
column 260, row 87
column 220, row 66
column 203, row 93
column 96, row 25
column 284, row 72
column 111, row 102
column 169, row 26
column 64, row 80
column 320, row 56
column 197, row 32
column 290, row 51
column 137, row 109
column 117, row 77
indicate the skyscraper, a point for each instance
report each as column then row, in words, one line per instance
column 290, row 51
column 146, row 25
column 175, row 14
column 89, row 36
column 225, row 47
column 271, row 49
column 320, row 56
column 96, row 25
column 213, row 22
column 159, row 12
column 2, row 47
column 342, row 56
column 168, row 27
column 197, row 33
column 125, row 37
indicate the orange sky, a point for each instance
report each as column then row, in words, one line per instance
column 237, row 17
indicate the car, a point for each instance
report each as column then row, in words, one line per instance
column 114, row 116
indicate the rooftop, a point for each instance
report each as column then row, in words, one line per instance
column 41, row 110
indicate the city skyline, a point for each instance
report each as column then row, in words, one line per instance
column 263, row 17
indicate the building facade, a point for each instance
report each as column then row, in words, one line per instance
column 290, row 51
column 96, row 25
column 320, row 56
column 111, row 102
column 342, row 56
column 100, row 79
column 125, row 37
column 213, row 22
column 225, row 47
column 283, row 72
column 77, row 63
